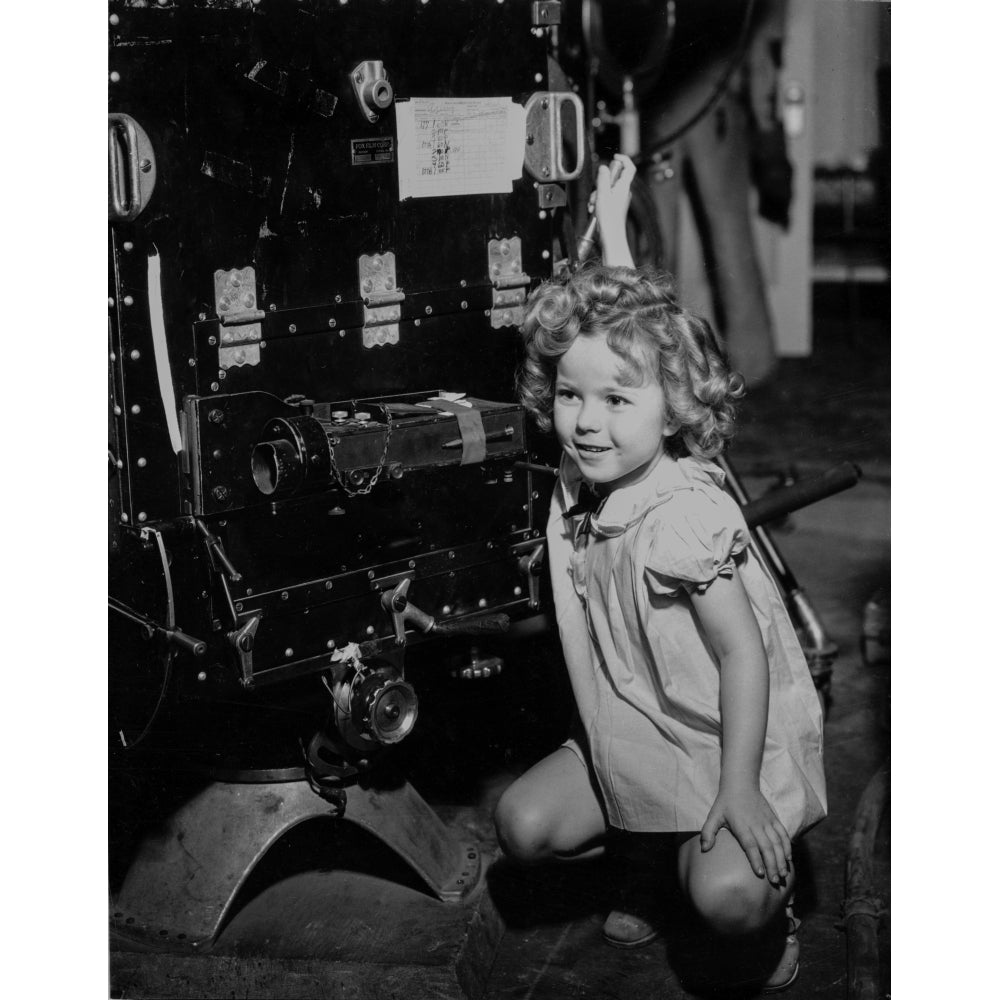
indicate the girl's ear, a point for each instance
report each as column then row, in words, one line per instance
column 671, row 425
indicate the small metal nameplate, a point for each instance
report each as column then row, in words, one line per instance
column 367, row 151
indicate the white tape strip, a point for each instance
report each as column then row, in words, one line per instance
column 160, row 350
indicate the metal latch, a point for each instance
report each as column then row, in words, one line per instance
column 543, row 151
column 377, row 280
column 242, row 640
column 531, row 555
column 509, row 282
column 240, row 319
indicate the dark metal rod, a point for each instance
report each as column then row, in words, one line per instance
column 789, row 498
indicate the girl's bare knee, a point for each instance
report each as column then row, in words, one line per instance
column 733, row 904
column 522, row 829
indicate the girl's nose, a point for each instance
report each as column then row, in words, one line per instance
column 587, row 418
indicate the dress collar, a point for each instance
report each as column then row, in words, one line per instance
column 624, row 507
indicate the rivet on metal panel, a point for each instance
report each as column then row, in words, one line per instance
column 111, row 302
column 135, row 355
column 135, row 408
column 289, row 653
column 118, row 411
column 127, row 246
column 124, row 517
column 214, row 387
column 292, row 328
column 142, row 515
column 141, row 463
column 114, row 76
column 128, row 300
column 113, row 20
column 331, row 322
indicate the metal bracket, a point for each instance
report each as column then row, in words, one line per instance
column 543, row 151
column 242, row 640
column 552, row 196
column 240, row 319
column 377, row 281
column 371, row 88
column 546, row 12
column 509, row 282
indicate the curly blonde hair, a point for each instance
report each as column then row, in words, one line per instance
column 646, row 327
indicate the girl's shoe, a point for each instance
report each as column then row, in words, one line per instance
column 626, row 930
column 787, row 970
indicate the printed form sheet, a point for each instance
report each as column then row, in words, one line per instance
column 459, row 145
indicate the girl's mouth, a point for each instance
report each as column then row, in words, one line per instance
column 592, row 449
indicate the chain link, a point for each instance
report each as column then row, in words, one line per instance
column 370, row 485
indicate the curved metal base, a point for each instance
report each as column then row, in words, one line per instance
column 187, row 874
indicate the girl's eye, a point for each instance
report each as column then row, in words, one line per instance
column 617, row 400
column 564, row 393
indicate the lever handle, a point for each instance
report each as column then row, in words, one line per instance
column 481, row 625
column 131, row 168
column 196, row 647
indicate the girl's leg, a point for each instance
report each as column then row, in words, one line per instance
column 552, row 812
column 723, row 888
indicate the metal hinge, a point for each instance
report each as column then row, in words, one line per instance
column 381, row 297
column 236, row 304
column 509, row 282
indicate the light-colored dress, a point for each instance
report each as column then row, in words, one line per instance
column 645, row 678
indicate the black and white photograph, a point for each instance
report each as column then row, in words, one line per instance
column 499, row 592
column 500, row 401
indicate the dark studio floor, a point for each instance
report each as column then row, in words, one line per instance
column 820, row 411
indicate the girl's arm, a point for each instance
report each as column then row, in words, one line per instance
column 611, row 209
column 728, row 620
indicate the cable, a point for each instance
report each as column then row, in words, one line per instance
column 720, row 88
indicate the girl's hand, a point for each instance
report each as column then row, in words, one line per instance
column 745, row 813
column 611, row 202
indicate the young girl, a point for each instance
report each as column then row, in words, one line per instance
column 697, row 715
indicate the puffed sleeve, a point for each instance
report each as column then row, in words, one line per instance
column 692, row 539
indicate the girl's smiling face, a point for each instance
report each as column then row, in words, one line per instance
column 607, row 421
